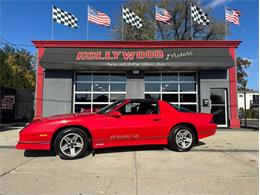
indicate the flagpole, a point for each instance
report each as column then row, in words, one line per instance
column 52, row 22
column 191, row 35
column 87, row 24
column 122, row 26
column 225, row 22
column 155, row 33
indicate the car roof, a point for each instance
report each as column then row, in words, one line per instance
column 143, row 100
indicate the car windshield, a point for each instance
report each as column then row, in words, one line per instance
column 181, row 109
column 110, row 107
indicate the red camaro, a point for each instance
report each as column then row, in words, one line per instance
column 123, row 123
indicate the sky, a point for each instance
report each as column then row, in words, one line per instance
column 22, row 21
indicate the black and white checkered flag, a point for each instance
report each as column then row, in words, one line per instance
column 64, row 17
column 199, row 16
column 131, row 18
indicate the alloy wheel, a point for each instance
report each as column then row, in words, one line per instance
column 71, row 144
column 184, row 138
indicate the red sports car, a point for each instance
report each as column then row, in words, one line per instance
column 123, row 123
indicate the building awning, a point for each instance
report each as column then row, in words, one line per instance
column 136, row 58
column 144, row 55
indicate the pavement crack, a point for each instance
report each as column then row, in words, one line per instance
column 242, row 161
column 9, row 171
column 136, row 182
column 7, row 147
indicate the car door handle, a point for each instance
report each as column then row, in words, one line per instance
column 156, row 119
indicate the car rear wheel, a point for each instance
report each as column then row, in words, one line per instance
column 71, row 143
column 181, row 138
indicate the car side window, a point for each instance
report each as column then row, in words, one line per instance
column 139, row 108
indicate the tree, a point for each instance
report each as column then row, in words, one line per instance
column 179, row 28
column 16, row 68
column 242, row 65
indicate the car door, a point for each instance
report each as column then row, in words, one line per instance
column 139, row 120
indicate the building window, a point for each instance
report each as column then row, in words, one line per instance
column 93, row 91
column 178, row 88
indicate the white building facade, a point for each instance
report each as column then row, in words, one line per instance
column 252, row 100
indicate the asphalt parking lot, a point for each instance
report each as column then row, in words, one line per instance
column 226, row 163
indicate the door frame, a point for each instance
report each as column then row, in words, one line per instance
column 226, row 109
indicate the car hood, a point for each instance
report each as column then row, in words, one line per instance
column 63, row 116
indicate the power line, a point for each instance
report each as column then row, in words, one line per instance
column 8, row 43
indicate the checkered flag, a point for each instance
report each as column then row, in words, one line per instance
column 131, row 18
column 199, row 16
column 64, row 17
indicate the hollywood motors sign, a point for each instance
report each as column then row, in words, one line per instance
column 131, row 55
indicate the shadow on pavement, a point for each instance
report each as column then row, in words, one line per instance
column 45, row 153
column 130, row 149
column 38, row 153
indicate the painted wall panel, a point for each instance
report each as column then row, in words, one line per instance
column 57, row 92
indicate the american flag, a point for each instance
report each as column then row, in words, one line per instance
column 232, row 15
column 162, row 15
column 98, row 17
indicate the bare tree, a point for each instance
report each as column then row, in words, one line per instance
column 180, row 26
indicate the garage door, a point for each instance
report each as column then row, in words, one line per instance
column 93, row 91
column 178, row 88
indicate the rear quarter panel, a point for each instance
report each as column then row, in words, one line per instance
column 200, row 121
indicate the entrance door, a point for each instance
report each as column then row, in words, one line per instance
column 218, row 106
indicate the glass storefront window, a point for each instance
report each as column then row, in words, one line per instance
column 178, row 88
column 100, row 86
column 153, row 96
column 83, row 86
column 170, row 87
column 173, row 98
column 83, row 97
column 100, row 97
column 187, row 87
column 189, row 107
column 169, row 76
column 117, row 86
column 96, row 90
column 117, row 77
column 187, row 97
column 84, row 77
column 152, row 77
column 152, row 86
column 187, row 77
column 115, row 97
column 100, row 77
column 83, row 108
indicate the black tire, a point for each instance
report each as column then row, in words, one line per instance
column 65, row 139
column 175, row 134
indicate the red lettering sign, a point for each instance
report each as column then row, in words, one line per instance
column 117, row 55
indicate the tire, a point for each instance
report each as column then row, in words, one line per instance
column 181, row 138
column 72, row 143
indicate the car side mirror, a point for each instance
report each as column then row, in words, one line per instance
column 116, row 114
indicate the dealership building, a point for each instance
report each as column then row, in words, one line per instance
column 76, row 76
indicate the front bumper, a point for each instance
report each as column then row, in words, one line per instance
column 33, row 145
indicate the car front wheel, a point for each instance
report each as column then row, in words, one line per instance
column 181, row 139
column 71, row 143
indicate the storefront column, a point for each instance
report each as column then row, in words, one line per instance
column 234, row 120
column 39, row 86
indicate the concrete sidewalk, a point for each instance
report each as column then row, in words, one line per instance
column 9, row 138
column 226, row 163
